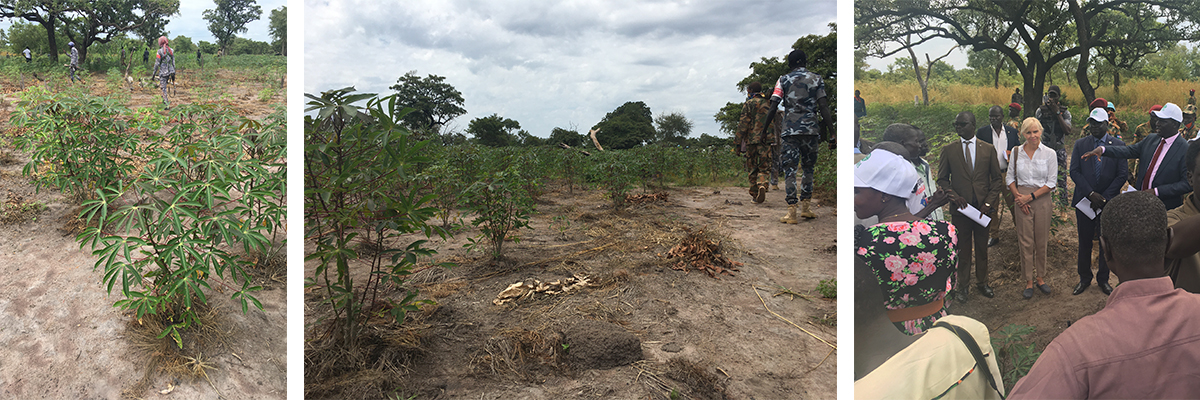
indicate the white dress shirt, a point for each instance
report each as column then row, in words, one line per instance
column 1000, row 140
column 1037, row 171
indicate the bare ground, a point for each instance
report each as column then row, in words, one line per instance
column 698, row 336
column 62, row 335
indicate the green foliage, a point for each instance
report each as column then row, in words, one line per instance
column 1015, row 357
column 569, row 137
column 936, row 120
column 502, row 206
column 361, row 195
column 629, row 126
column 230, row 18
column 77, row 144
column 672, row 127
column 434, row 102
column 183, row 45
column 163, row 235
column 239, row 46
column 494, row 130
column 828, row 288
column 613, row 175
column 278, row 27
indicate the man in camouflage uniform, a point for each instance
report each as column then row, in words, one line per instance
column 1189, row 122
column 755, row 140
column 1116, row 128
column 1014, row 116
column 803, row 95
column 1056, row 125
column 1140, row 132
column 74, row 65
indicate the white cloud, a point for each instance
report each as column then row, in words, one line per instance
column 551, row 64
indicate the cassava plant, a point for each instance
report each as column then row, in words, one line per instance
column 76, row 143
column 175, row 228
column 502, row 206
column 356, row 158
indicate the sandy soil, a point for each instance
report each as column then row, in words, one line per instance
column 703, row 337
column 62, row 335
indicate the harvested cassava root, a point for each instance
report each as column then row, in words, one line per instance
column 699, row 253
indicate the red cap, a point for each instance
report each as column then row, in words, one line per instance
column 1157, row 107
column 1098, row 102
column 1015, row 105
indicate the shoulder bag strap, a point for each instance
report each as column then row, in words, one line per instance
column 973, row 347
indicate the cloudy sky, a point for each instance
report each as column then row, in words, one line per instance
column 553, row 64
column 190, row 21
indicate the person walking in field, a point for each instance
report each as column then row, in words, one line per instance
column 146, row 57
column 802, row 94
column 164, row 67
column 754, row 139
column 74, row 65
column 28, row 55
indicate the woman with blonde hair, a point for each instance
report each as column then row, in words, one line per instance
column 1032, row 174
column 164, row 59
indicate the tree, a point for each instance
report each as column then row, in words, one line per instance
column 207, row 47
column 1046, row 31
column 183, row 44
column 629, row 126
column 101, row 21
column 279, row 29
column 434, row 102
column 494, row 130
column 230, row 18
column 567, row 137
column 672, row 127
column 89, row 21
column 247, row 46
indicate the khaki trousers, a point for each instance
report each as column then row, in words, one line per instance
column 1033, row 234
column 1007, row 198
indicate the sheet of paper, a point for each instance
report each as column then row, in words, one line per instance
column 975, row 215
column 1085, row 206
column 1129, row 188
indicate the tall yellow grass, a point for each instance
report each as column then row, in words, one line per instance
column 1135, row 94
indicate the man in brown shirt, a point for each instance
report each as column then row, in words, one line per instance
column 969, row 172
column 1148, row 329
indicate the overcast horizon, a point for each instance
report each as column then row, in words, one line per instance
column 557, row 64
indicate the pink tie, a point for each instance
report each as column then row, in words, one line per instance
column 1153, row 165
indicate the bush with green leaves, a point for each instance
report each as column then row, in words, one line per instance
column 501, row 205
column 360, row 199
column 77, row 143
column 610, row 171
column 1015, row 357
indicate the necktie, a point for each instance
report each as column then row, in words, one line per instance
column 1096, row 165
column 1153, row 165
column 967, row 155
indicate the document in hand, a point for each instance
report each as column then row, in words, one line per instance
column 975, row 215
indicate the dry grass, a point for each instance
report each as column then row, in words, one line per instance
column 1135, row 94
column 17, row 209
column 373, row 369
column 525, row 354
column 161, row 355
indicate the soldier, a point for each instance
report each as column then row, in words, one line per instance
column 1189, row 122
column 1014, row 115
column 1116, row 128
column 164, row 67
column 755, row 139
column 1139, row 133
column 1056, row 125
column 146, row 57
column 74, row 66
column 803, row 95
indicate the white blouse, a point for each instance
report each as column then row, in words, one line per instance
column 1040, row 170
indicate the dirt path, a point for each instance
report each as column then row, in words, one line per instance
column 698, row 335
column 63, row 338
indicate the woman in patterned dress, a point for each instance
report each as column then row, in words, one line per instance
column 914, row 259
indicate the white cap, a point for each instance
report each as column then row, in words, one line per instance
column 1099, row 114
column 1170, row 111
column 886, row 172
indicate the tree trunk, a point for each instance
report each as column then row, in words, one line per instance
column 51, row 39
column 1085, row 50
column 1116, row 83
column 999, row 65
column 592, row 133
column 921, row 81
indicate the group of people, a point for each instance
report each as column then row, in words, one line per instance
column 789, row 142
column 914, row 260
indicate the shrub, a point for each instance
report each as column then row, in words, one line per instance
column 360, row 193
column 501, row 205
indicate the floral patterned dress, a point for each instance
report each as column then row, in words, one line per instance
column 915, row 263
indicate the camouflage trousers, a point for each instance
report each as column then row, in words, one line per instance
column 775, row 167
column 799, row 152
column 1062, row 197
column 758, row 161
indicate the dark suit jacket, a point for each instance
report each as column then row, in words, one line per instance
column 984, row 133
column 981, row 186
column 1171, row 179
column 1112, row 171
